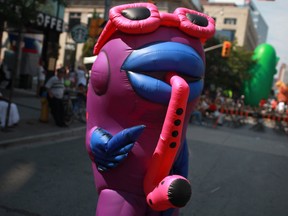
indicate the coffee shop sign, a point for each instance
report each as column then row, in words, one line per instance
column 49, row 22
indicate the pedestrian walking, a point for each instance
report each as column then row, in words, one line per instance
column 55, row 88
column 81, row 80
column 41, row 76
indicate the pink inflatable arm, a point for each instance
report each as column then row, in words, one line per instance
column 173, row 191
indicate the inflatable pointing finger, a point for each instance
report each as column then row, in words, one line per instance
column 145, row 82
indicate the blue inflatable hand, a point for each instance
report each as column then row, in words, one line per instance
column 108, row 150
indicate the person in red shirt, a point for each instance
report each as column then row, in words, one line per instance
column 273, row 104
column 262, row 102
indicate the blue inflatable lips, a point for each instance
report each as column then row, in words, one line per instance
column 146, row 68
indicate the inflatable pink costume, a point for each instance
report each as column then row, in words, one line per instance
column 144, row 84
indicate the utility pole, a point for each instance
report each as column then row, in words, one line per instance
column 213, row 47
column 226, row 48
column 15, row 72
column 106, row 9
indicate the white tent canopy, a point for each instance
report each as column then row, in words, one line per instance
column 89, row 60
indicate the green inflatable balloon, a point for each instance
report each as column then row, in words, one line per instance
column 260, row 84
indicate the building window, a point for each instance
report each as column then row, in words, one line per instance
column 74, row 19
column 230, row 21
column 225, row 34
column 214, row 19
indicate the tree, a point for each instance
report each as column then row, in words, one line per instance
column 19, row 13
column 227, row 73
column 95, row 25
column 88, row 47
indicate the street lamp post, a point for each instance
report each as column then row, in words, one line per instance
column 14, row 74
column 106, row 9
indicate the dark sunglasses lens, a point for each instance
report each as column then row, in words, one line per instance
column 197, row 20
column 140, row 13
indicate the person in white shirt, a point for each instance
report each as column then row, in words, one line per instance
column 55, row 88
column 14, row 116
column 41, row 80
column 81, row 76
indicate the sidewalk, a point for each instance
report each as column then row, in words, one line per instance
column 30, row 129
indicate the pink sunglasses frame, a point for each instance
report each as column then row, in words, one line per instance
column 156, row 19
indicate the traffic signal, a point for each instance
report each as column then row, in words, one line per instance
column 226, row 49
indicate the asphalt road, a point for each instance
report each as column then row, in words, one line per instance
column 53, row 179
column 233, row 172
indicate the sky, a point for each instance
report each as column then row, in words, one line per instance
column 276, row 16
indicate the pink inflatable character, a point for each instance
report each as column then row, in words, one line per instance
column 145, row 82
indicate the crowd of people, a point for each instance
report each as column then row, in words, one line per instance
column 212, row 107
column 221, row 109
column 53, row 89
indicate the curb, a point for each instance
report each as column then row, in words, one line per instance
column 73, row 132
